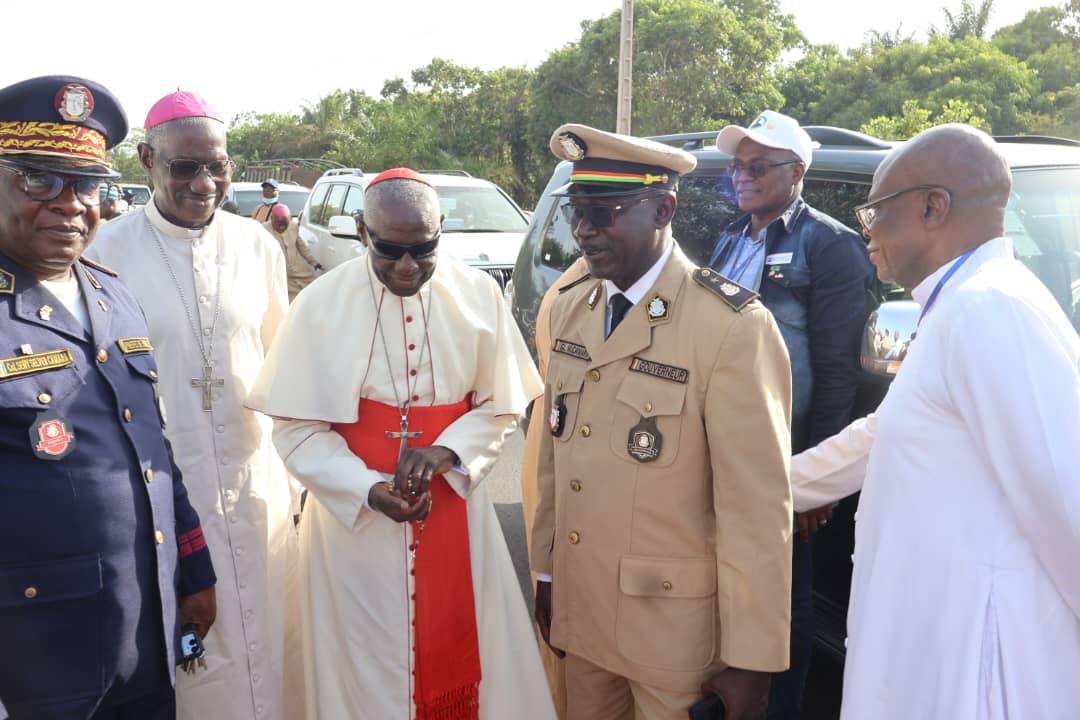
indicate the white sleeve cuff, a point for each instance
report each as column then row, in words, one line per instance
column 543, row 577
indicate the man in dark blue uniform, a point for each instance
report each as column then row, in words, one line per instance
column 812, row 273
column 101, row 555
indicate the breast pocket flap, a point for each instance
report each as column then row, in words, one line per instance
column 667, row 577
column 43, row 582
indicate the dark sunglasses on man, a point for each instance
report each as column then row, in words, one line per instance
column 395, row 251
column 44, row 186
column 600, row 216
column 756, row 170
column 186, row 169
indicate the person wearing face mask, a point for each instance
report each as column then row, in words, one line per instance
column 213, row 286
column 270, row 200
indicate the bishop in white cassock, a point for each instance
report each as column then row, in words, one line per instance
column 213, row 288
column 355, row 354
column 965, row 598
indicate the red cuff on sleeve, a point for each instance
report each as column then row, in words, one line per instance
column 191, row 542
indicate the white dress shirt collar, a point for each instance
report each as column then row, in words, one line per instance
column 637, row 291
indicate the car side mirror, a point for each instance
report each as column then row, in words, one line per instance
column 343, row 226
column 889, row 333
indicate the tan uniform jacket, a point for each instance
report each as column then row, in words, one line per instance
column 667, row 570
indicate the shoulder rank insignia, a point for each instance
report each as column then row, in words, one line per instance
column 7, row 282
column 732, row 293
column 658, row 308
column 98, row 266
column 572, row 349
column 575, row 283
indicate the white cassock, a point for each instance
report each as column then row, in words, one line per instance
column 356, row 610
column 965, row 597
column 234, row 477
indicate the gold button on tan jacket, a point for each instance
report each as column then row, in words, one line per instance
column 665, row 508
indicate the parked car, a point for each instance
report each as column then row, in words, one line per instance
column 1043, row 219
column 248, row 195
column 482, row 225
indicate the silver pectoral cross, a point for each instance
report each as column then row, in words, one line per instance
column 404, row 435
column 207, row 382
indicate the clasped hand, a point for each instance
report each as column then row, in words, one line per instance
column 407, row 498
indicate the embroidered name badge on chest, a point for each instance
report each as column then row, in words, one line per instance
column 36, row 362
column 51, row 437
column 132, row 345
column 666, row 372
column 566, row 347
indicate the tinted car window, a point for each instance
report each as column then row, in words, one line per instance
column 318, row 197
column 479, row 209
column 836, row 199
column 330, row 205
column 354, row 201
column 558, row 249
column 248, row 200
column 705, row 209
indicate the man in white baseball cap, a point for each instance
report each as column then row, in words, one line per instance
column 812, row 273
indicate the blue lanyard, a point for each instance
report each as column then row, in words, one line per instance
column 941, row 283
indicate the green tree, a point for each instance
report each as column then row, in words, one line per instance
column 971, row 21
column 914, row 118
column 124, row 158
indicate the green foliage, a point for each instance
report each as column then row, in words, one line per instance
column 914, row 118
column 124, row 158
column 970, row 22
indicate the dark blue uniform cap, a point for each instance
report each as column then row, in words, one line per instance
column 60, row 123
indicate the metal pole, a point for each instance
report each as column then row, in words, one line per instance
column 626, row 68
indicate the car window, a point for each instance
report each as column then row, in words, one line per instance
column 1043, row 219
column 330, row 205
column 293, row 199
column 354, row 201
column 479, row 209
column 140, row 195
column 558, row 249
column 318, row 196
column 706, row 207
column 836, row 199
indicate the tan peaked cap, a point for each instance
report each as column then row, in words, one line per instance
column 611, row 146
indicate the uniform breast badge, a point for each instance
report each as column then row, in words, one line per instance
column 51, row 437
column 557, row 418
column 7, row 282
column 658, row 308
column 645, row 441
column 45, row 313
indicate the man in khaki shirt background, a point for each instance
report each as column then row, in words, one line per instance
column 662, row 537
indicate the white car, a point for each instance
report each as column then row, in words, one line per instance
column 248, row 195
column 482, row 225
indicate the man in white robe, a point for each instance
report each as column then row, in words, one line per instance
column 213, row 284
column 376, row 340
column 965, row 598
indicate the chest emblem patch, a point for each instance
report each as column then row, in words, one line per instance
column 51, row 437
column 645, row 441
column 658, row 308
column 557, row 418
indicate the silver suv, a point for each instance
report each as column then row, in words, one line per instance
column 482, row 226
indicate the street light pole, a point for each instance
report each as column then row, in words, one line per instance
column 626, row 68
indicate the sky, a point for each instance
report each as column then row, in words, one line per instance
column 275, row 56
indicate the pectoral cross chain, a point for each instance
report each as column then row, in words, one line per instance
column 404, row 435
column 208, row 382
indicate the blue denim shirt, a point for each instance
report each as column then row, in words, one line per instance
column 817, row 273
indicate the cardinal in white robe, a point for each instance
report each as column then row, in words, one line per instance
column 394, row 381
column 965, row 596
column 213, row 288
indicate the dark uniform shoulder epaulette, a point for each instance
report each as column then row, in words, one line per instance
column 7, row 282
column 727, row 290
column 98, row 266
column 574, row 284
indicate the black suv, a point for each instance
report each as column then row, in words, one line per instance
column 1043, row 219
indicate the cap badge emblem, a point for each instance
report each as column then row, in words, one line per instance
column 574, row 147
column 650, row 179
column 759, row 122
column 74, row 102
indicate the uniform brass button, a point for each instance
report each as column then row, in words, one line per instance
column 594, row 375
column 574, row 537
column 575, row 486
column 586, row 431
column 127, row 414
column 666, row 585
column 648, row 407
column 149, row 475
column 30, row 593
column 44, row 398
column 560, row 386
column 102, row 356
column 159, row 537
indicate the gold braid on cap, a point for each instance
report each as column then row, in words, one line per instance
column 64, row 140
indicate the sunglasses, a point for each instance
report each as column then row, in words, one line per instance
column 184, row 169
column 600, row 216
column 756, row 170
column 45, row 186
column 395, row 251
column 868, row 210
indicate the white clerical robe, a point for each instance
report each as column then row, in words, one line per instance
column 965, row 597
column 356, row 587
column 234, row 477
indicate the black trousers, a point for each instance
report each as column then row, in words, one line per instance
column 785, row 695
column 158, row 705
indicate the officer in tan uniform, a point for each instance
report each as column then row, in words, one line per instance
column 662, row 538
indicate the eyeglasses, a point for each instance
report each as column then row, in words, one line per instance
column 395, row 251
column 601, row 216
column 185, row 169
column 758, row 169
column 45, row 186
column 868, row 210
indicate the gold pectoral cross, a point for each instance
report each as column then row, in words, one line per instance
column 207, row 382
column 404, row 435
